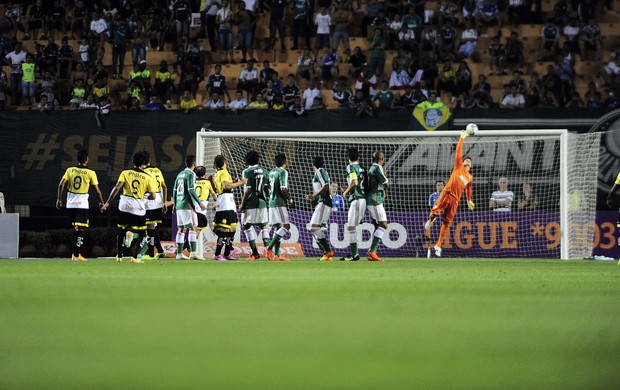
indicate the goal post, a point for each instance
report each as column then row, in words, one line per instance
column 554, row 219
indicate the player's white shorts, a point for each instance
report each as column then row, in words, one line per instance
column 321, row 214
column 187, row 218
column 278, row 216
column 357, row 209
column 77, row 201
column 377, row 213
column 255, row 216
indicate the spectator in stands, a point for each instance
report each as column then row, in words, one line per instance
column 99, row 28
column 446, row 78
column 460, row 101
column 154, row 27
column 100, row 89
column 65, row 60
column 469, row 39
column 297, row 108
column 190, row 78
column 50, row 56
column 468, row 10
column 378, row 44
column 412, row 20
column 305, row 65
column 239, row 103
column 47, row 86
column 44, row 105
column 79, row 20
column 269, row 93
column 560, row 11
column 134, row 104
column 300, row 8
column 428, row 39
column 28, row 71
column 409, row 99
column 448, row 10
column 527, row 200
column 215, row 102
column 277, row 84
column 488, row 14
column 550, row 41
column 366, row 81
column 142, row 76
column 224, row 18
column 195, row 54
column 56, row 21
column 501, row 200
column 611, row 101
column 406, row 39
column 155, row 104
column 216, row 82
column 514, row 51
column 514, row 100
column 393, row 29
column 13, row 18
column 518, row 82
column 133, row 92
column 259, row 103
column 245, row 21
column 16, row 58
column 384, row 99
column 89, row 103
column 447, row 40
column 312, row 97
column 181, row 16
column 429, row 68
column 276, row 10
column 290, row 90
column 515, row 12
column 497, row 57
column 482, row 89
column 327, row 69
column 370, row 12
column 187, row 103
column 402, row 59
column 120, row 35
column 139, row 42
column 586, row 10
column 208, row 12
column 479, row 100
column 341, row 93
column 362, row 105
column 592, row 96
column 381, row 22
column 399, row 78
column 163, row 83
column 322, row 20
column 575, row 101
column 342, row 18
column 4, row 82
column 35, row 18
column 610, row 71
column 357, row 60
column 265, row 75
column 567, row 74
column 571, row 34
column 590, row 39
column 551, row 82
column 549, row 100
column 248, row 80
column 99, row 72
column 463, row 79
column 74, row 105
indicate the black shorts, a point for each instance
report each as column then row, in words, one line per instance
column 202, row 221
column 154, row 216
column 79, row 217
column 127, row 220
column 226, row 219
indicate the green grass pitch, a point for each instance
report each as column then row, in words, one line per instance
column 402, row 324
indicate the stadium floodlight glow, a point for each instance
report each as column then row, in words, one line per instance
column 560, row 167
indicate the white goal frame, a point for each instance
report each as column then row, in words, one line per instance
column 205, row 134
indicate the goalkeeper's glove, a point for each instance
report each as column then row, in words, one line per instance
column 470, row 204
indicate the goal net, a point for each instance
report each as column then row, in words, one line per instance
column 550, row 176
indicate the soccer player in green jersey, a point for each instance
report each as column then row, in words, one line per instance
column 155, row 210
column 226, row 221
column 356, row 177
column 134, row 184
column 185, row 199
column 253, row 207
column 323, row 208
column 375, row 194
column 79, row 179
column 279, row 201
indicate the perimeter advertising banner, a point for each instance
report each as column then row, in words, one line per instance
column 473, row 234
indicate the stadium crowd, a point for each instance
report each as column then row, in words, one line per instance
column 70, row 54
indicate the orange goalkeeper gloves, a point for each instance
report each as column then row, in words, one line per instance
column 470, row 204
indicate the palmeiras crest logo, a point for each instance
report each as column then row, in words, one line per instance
column 432, row 117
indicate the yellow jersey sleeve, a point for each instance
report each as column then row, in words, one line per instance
column 221, row 177
column 617, row 179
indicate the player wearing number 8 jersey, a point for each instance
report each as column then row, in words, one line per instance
column 356, row 178
column 134, row 184
column 448, row 201
column 78, row 181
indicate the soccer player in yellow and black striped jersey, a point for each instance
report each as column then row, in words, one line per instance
column 79, row 179
column 204, row 190
column 155, row 209
column 134, row 184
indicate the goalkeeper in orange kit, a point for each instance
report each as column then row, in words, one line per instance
column 448, row 201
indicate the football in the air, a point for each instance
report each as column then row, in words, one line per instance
column 471, row 129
